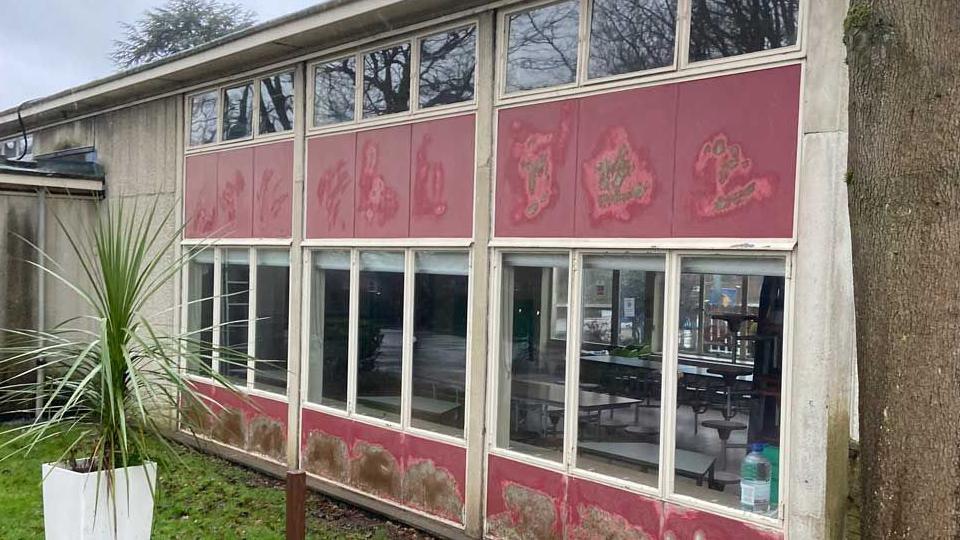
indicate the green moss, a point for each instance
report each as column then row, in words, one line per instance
column 859, row 16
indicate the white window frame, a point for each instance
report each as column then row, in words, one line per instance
column 671, row 309
column 355, row 247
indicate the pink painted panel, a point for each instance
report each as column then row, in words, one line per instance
column 235, row 193
column 626, row 159
column 331, row 181
column 687, row 524
column 252, row 407
column 442, row 175
column 536, row 170
column 524, row 501
column 434, row 477
column 736, row 155
column 314, row 421
column 598, row 511
column 383, row 183
column 273, row 190
column 200, row 196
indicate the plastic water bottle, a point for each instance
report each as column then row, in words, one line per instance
column 755, row 481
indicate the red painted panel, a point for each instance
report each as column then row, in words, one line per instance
column 331, row 179
column 736, row 155
column 536, row 170
column 626, row 159
column 235, row 193
column 273, row 190
column 434, row 477
column 383, row 183
column 687, row 524
column 200, row 196
column 254, row 405
column 314, row 421
column 449, row 457
column 443, row 170
column 389, row 439
column 524, row 501
column 598, row 511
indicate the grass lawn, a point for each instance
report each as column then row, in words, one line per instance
column 200, row 497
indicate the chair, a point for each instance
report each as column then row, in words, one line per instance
column 724, row 429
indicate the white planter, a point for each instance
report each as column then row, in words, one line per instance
column 77, row 507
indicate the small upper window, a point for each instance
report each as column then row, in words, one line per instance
column 238, row 112
column 542, row 46
column 447, row 65
column 386, row 81
column 721, row 28
column 276, row 103
column 631, row 35
column 14, row 148
column 334, row 96
column 203, row 118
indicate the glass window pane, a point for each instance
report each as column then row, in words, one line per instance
column 200, row 311
column 276, row 103
column 273, row 317
column 234, row 314
column 329, row 328
column 334, row 93
column 621, row 363
column 11, row 148
column 238, row 112
column 729, row 369
column 542, row 46
column 380, row 334
column 440, row 341
column 448, row 62
column 631, row 35
column 721, row 28
column 533, row 364
column 386, row 81
column 203, row 118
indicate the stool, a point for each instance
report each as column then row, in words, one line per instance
column 643, row 433
column 724, row 429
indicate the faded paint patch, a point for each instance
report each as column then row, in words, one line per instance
column 229, row 428
column 267, row 436
column 327, row 456
column 195, row 417
column 432, row 489
column 617, row 178
column 688, row 524
column 538, row 155
column 429, row 183
column 598, row 524
column 378, row 201
column 331, row 189
column 376, row 470
column 723, row 166
column 530, row 515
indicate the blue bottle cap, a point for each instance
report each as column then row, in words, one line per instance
column 756, row 447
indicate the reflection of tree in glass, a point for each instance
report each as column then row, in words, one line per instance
column 720, row 28
column 542, row 46
column 386, row 81
column 276, row 103
column 333, row 89
column 447, row 66
column 203, row 118
column 631, row 35
column 238, row 112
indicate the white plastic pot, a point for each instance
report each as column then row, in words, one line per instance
column 77, row 507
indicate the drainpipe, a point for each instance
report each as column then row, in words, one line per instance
column 41, row 285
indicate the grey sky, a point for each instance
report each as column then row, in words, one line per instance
column 51, row 45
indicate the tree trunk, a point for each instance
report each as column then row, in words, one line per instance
column 904, row 189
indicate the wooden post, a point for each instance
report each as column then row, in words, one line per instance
column 296, row 505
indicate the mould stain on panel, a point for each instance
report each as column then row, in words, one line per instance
column 432, row 489
column 378, row 201
column 727, row 178
column 331, row 190
column 327, row 456
column 685, row 524
column 268, row 437
column 374, row 469
column 429, row 183
column 230, row 428
column 598, row 524
column 537, row 156
column 530, row 515
column 617, row 178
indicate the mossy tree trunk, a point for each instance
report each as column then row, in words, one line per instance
column 904, row 188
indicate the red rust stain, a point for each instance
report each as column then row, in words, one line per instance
column 268, row 437
column 598, row 524
column 723, row 167
column 429, row 182
column 378, row 200
column 530, row 515
column 333, row 184
column 538, row 155
column 616, row 177
column 229, row 428
column 375, row 470
column 272, row 197
column 327, row 456
column 432, row 489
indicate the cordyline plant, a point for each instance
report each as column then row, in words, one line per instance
column 111, row 378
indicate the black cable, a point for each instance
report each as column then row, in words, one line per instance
column 23, row 130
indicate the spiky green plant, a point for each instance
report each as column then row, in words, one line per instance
column 113, row 378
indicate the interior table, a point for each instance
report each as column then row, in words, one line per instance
column 687, row 463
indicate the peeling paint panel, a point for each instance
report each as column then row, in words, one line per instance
column 325, row 445
column 442, row 174
column 685, row 524
column 331, row 182
column 235, row 193
column 597, row 511
column 383, row 183
column 434, row 477
column 536, row 170
column 273, row 190
column 200, row 196
column 524, row 501
column 626, row 160
column 376, row 464
column 736, row 155
column 258, row 426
